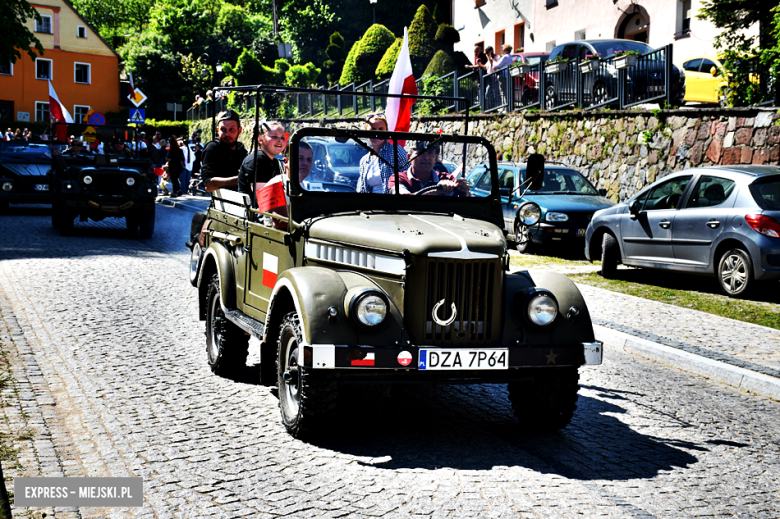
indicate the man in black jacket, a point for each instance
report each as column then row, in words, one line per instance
column 222, row 159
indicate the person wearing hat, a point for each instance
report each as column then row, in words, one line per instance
column 422, row 174
column 222, row 158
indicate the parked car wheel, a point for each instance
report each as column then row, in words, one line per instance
column 735, row 273
column 600, row 94
column 522, row 237
column 610, row 256
column 547, row 400
column 550, row 97
column 307, row 398
column 227, row 346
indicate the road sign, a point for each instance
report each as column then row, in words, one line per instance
column 138, row 98
column 89, row 134
column 174, row 107
column 137, row 115
column 97, row 119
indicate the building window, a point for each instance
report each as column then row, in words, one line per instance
column 82, row 73
column 43, row 25
column 43, row 68
column 42, row 112
column 686, row 17
column 82, row 32
column 7, row 68
column 500, row 40
column 519, row 37
column 79, row 113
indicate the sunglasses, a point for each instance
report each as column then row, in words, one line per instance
column 377, row 115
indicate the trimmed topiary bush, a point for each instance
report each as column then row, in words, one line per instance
column 302, row 75
column 444, row 62
column 385, row 68
column 350, row 70
column 422, row 39
column 337, row 53
column 447, row 36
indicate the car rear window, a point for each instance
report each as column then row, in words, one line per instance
column 767, row 194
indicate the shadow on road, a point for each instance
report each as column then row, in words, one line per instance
column 429, row 427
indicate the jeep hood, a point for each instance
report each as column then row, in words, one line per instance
column 421, row 233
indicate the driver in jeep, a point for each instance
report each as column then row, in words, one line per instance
column 421, row 175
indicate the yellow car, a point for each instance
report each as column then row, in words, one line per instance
column 705, row 80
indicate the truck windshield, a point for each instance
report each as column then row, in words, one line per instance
column 433, row 167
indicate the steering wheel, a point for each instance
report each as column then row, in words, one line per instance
column 427, row 190
column 670, row 201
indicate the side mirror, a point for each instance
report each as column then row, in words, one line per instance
column 603, row 192
column 634, row 208
column 714, row 71
column 534, row 171
column 342, row 139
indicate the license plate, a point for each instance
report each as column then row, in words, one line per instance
column 580, row 232
column 41, row 187
column 439, row 359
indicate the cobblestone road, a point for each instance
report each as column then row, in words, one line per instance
column 103, row 340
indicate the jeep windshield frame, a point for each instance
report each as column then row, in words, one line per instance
column 305, row 204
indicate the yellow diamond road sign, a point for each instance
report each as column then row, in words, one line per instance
column 138, row 99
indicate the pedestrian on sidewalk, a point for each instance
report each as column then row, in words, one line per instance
column 175, row 166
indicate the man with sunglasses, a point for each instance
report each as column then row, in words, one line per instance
column 423, row 173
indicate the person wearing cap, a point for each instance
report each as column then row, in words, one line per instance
column 76, row 148
column 422, row 174
column 222, row 158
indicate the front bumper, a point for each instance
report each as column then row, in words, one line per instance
column 402, row 362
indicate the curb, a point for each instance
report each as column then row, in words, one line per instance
column 734, row 376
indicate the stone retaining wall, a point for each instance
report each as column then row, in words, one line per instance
column 621, row 151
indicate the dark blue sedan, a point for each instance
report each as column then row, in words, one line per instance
column 566, row 199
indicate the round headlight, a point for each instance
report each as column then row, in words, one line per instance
column 7, row 186
column 529, row 213
column 130, row 181
column 369, row 308
column 556, row 217
column 87, row 179
column 542, row 309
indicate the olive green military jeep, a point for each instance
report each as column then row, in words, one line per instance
column 372, row 288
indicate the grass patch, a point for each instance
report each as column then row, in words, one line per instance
column 696, row 293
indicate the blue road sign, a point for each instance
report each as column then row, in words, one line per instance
column 97, row 119
column 137, row 115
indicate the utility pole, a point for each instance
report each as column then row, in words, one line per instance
column 276, row 21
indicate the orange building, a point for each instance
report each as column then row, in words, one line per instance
column 83, row 69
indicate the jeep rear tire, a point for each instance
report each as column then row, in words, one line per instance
column 147, row 223
column 64, row 219
column 547, row 400
column 227, row 346
column 307, row 397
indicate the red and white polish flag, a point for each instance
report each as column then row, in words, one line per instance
column 399, row 110
column 57, row 109
column 270, row 270
column 368, row 360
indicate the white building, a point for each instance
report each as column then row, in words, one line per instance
column 539, row 25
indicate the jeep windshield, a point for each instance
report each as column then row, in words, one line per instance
column 406, row 171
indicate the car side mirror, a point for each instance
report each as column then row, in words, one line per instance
column 714, row 71
column 603, row 192
column 342, row 139
column 634, row 208
column 534, row 170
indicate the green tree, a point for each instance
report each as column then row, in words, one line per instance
column 155, row 67
column 386, row 65
column 444, row 62
column 350, row 72
column 187, row 22
column 15, row 33
column 422, row 39
column 738, row 48
column 302, row 75
column 115, row 19
column 337, row 53
column 447, row 36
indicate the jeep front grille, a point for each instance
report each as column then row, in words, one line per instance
column 467, row 289
column 110, row 182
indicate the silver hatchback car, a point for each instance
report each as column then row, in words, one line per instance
column 721, row 221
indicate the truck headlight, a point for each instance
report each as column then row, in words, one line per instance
column 529, row 213
column 130, row 181
column 87, row 179
column 368, row 308
column 7, row 186
column 542, row 308
column 556, row 217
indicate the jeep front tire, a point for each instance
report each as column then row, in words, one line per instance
column 547, row 399
column 307, row 398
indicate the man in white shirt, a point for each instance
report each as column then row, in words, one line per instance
column 501, row 62
column 188, row 150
